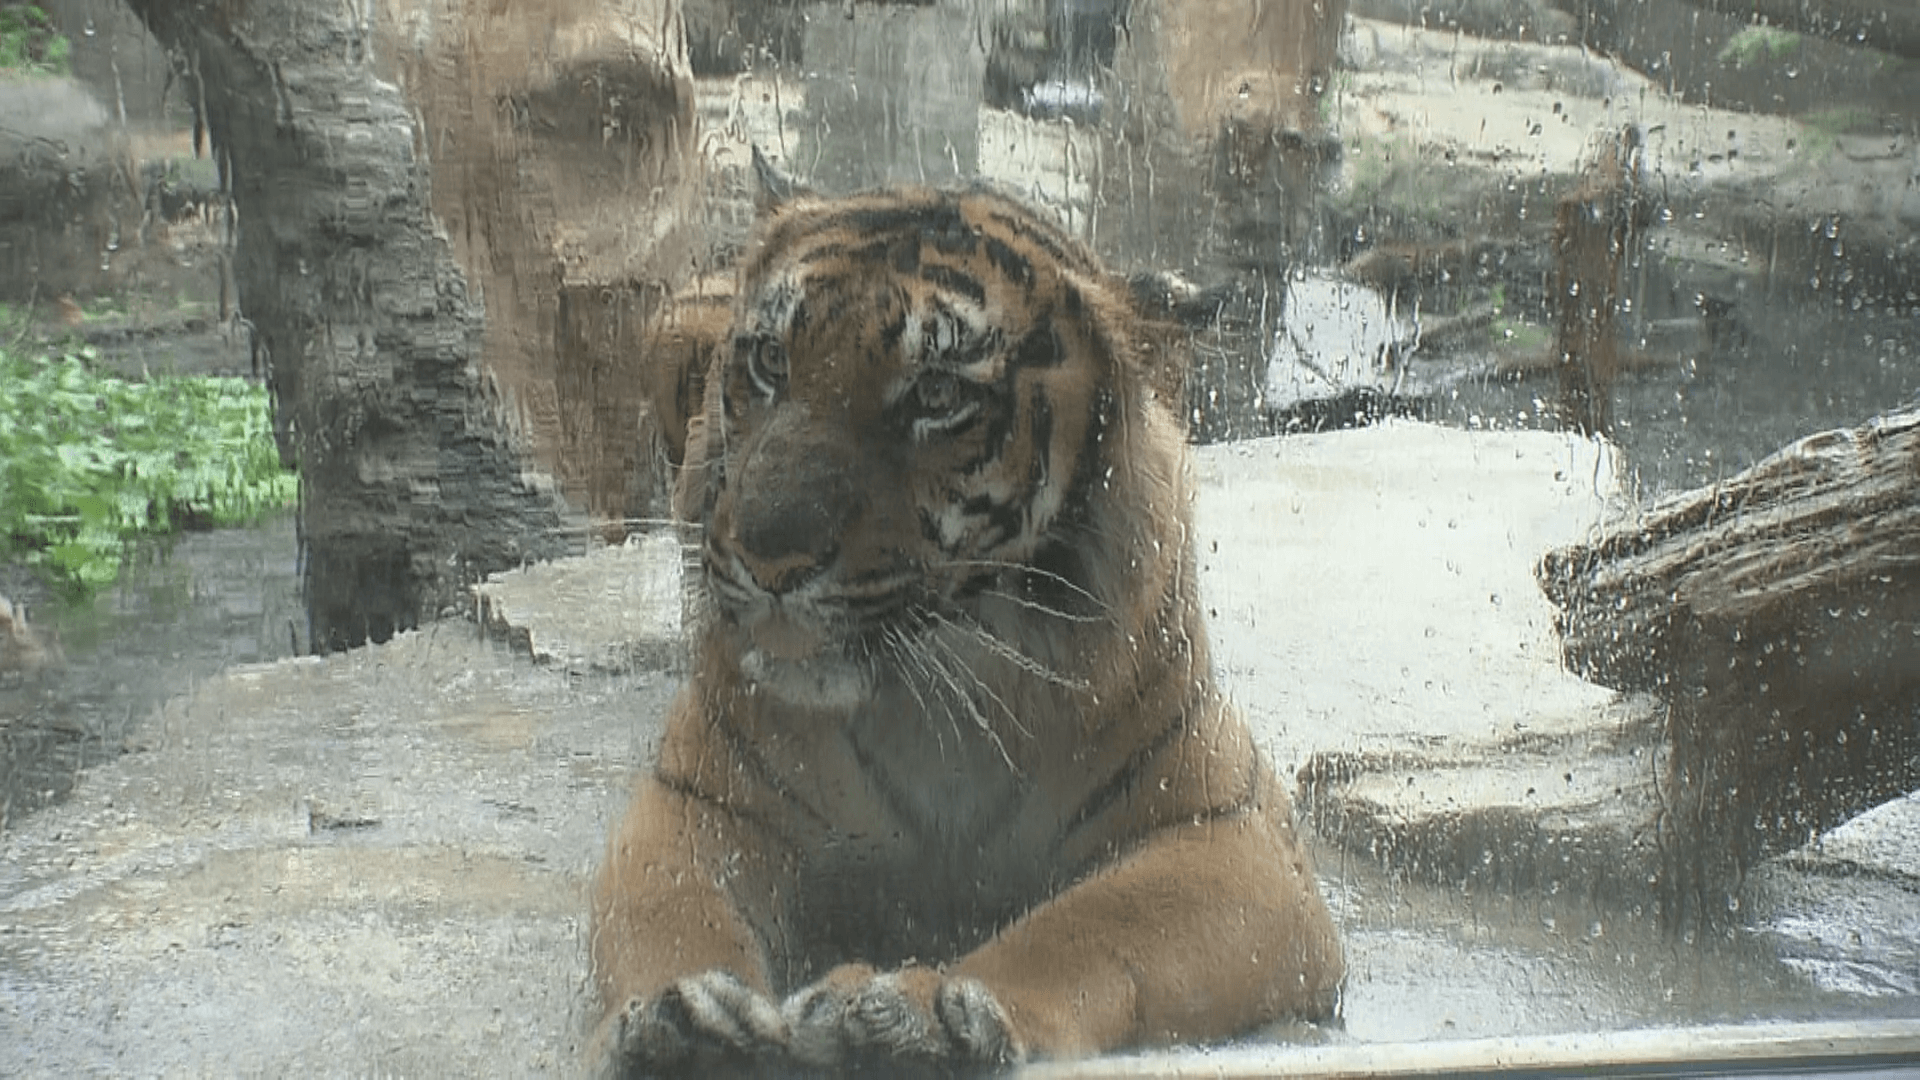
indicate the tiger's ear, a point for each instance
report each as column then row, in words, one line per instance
column 1171, row 311
column 772, row 188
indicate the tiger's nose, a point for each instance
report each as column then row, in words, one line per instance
column 794, row 505
column 785, row 550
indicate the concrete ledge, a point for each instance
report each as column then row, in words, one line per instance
column 614, row 609
column 1573, row 815
column 1844, row 911
column 1686, row 1051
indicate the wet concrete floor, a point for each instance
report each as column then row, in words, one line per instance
column 376, row 861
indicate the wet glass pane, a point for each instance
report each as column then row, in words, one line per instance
column 537, row 533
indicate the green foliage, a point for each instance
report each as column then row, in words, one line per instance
column 1512, row 333
column 1520, row 336
column 90, row 462
column 1759, row 44
column 29, row 42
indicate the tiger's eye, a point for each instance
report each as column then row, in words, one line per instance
column 766, row 365
column 943, row 402
column 939, row 394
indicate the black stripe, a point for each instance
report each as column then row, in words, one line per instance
column 1122, row 782
column 870, row 252
column 895, row 797
column 1056, row 576
column 956, row 281
column 904, row 255
column 1086, row 467
column 955, row 239
column 1247, row 803
column 975, row 350
column 686, row 789
column 1009, row 262
column 996, row 431
column 890, row 333
column 1007, row 520
column 749, row 755
column 938, row 223
column 1240, row 807
column 1041, row 348
column 1075, row 303
column 1040, row 430
column 893, row 218
column 877, row 780
column 1034, row 232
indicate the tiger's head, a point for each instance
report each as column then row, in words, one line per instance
column 927, row 412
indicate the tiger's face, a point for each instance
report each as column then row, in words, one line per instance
column 908, row 415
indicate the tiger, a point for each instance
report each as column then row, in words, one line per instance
column 950, row 785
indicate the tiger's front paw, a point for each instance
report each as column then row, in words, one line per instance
column 702, row 1025
column 897, row 1020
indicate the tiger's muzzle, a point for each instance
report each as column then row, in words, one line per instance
column 775, row 553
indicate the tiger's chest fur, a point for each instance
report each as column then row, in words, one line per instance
column 931, row 846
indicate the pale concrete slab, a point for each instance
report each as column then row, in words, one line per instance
column 614, row 609
column 1844, row 910
column 1374, row 610
column 1372, row 590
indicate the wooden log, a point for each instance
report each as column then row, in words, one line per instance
column 1595, row 230
column 1834, row 515
column 1778, row 615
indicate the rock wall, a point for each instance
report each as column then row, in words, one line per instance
column 418, row 186
column 1213, row 152
column 66, row 202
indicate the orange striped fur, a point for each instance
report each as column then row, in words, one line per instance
column 950, row 785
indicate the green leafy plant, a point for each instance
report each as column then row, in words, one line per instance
column 1510, row 332
column 1755, row 45
column 90, row 462
column 30, row 43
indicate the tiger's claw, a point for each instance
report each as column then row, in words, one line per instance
column 914, row 1017
column 706, row 1024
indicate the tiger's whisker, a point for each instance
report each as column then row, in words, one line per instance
column 961, row 662
column 902, row 649
column 939, row 680
column 1007, row 651
column 1001, row 564
column 1041, row 609
column 966, row 700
